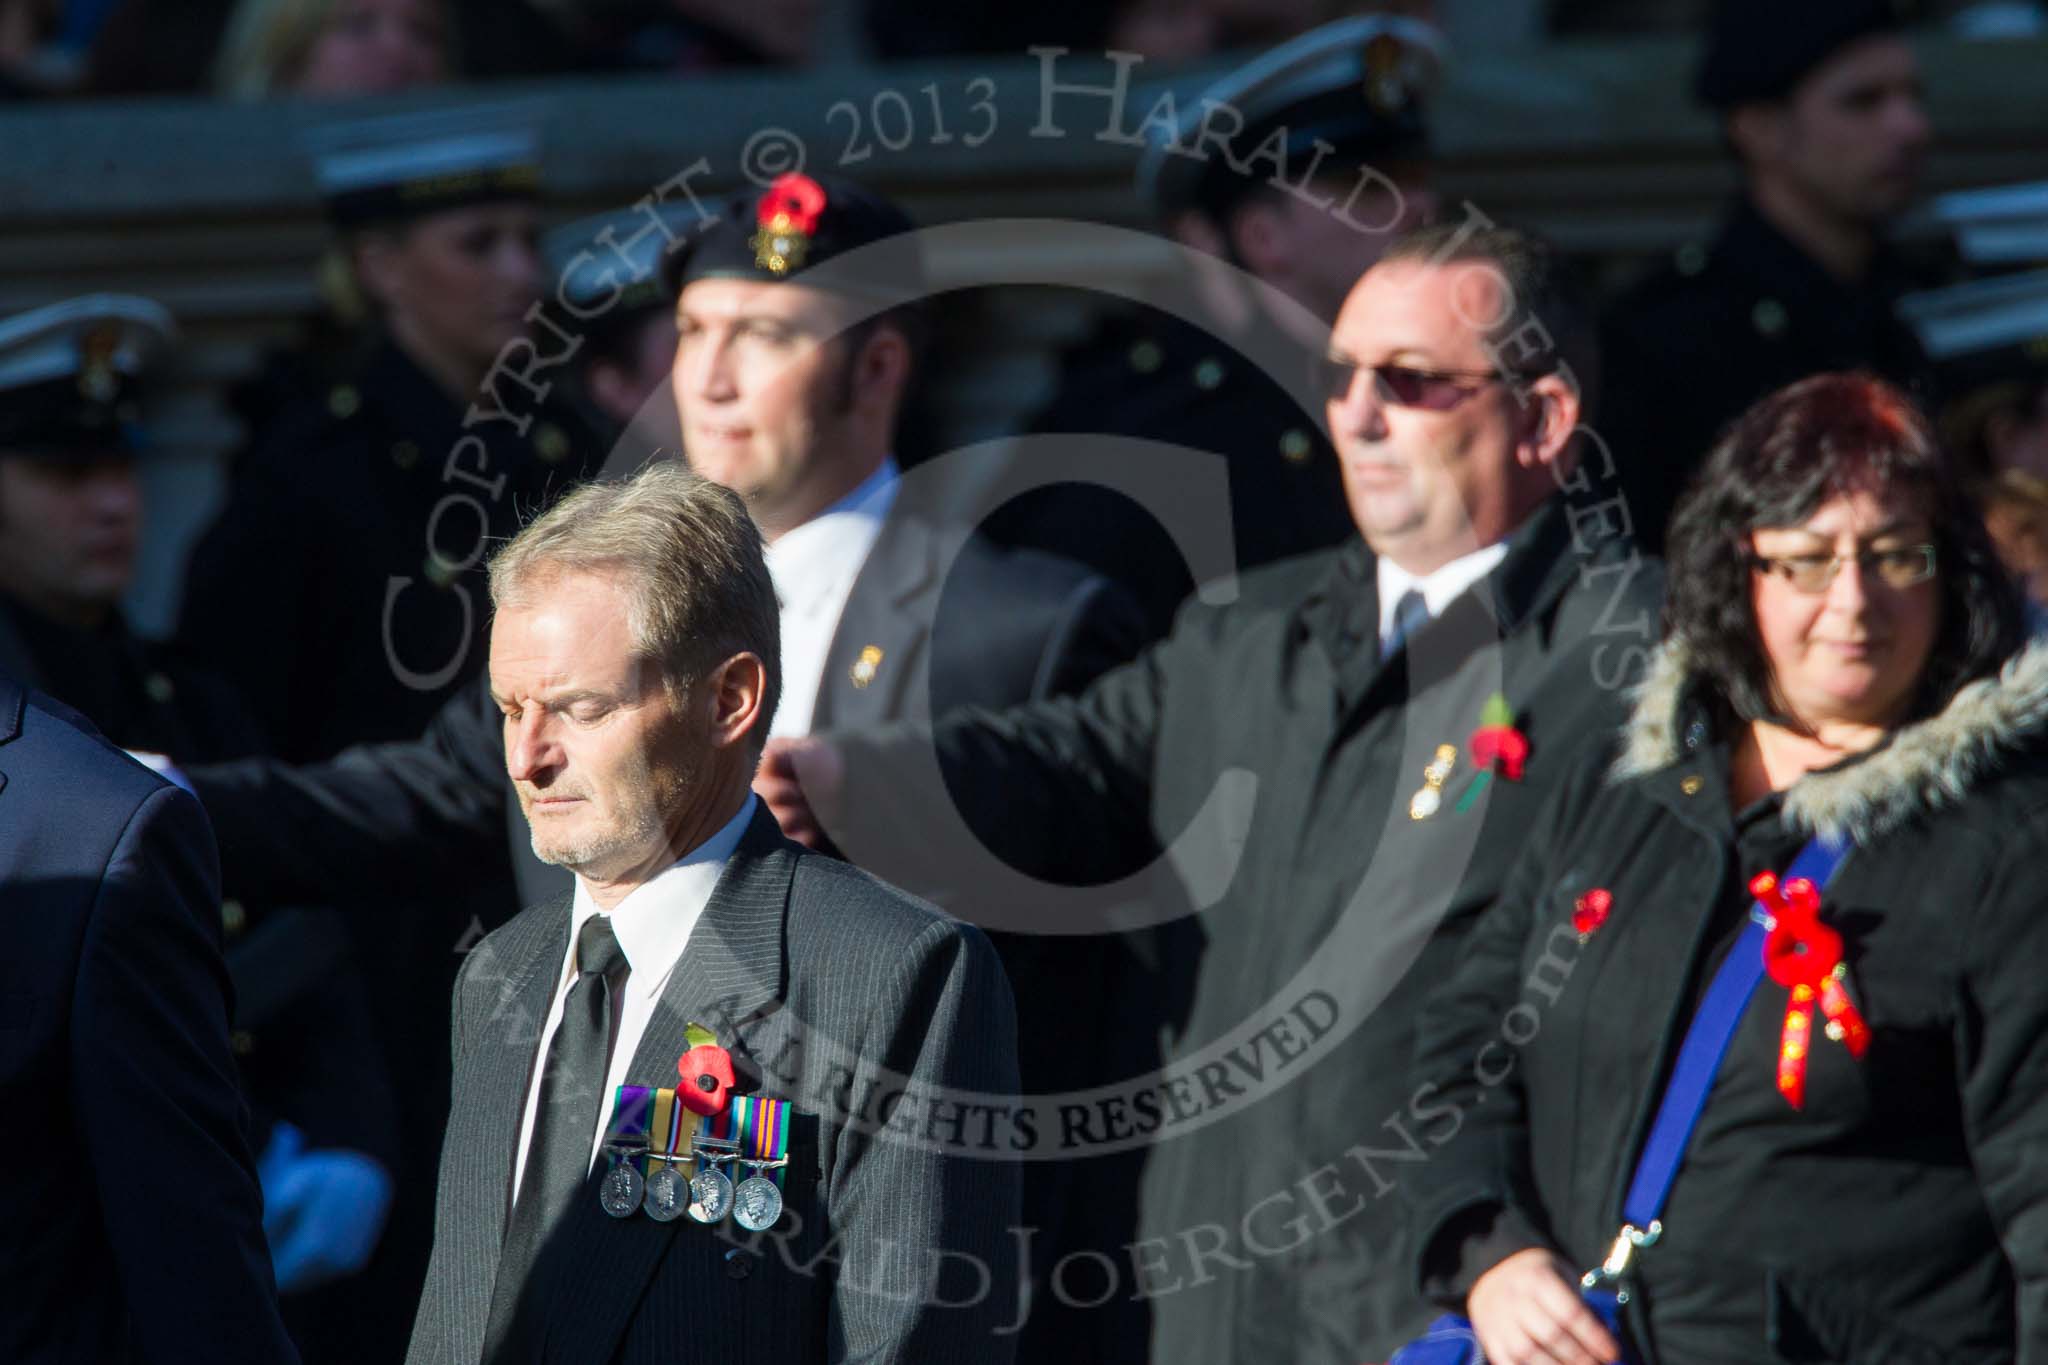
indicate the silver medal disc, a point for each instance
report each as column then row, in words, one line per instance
column 622, row 1189
column 710, row 1196
column 668, row 1194
column 757, row 1203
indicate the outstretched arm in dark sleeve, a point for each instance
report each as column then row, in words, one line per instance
column 416, row 817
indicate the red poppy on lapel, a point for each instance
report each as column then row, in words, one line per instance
column 1591, row 910
column 1497, row 746
column 707, row 1073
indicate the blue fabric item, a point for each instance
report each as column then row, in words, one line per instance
column 1706, row 1042
column 323, row 1209
column 1451, row 1341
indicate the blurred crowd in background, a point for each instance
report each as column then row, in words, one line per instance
column 254, row 49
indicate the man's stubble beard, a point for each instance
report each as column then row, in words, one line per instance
column 640, row 829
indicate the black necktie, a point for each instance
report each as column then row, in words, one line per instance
column 565, row 1119
column 1411, row 614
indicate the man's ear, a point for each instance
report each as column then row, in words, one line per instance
column 735, row 692
column 1259, row 235
column 1549, row 415
column 1758, row 131
column 374, row 257
column 882, row 369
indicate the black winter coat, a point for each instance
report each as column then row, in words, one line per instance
column 1902, row 1214
column 1272, row 749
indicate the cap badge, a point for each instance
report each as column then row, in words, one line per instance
column 1387, row 75
column 96, row 378
column 788, row 218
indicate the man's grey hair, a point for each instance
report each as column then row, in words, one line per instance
column 692, row 562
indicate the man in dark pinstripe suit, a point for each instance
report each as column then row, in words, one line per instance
column 636, row 661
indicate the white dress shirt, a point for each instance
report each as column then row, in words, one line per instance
column 814, row 566
column 652, row 924
column 1438, row 589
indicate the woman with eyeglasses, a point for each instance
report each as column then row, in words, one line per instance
column 1863, row 1179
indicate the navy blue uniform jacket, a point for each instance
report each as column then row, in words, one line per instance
column 131, row 1226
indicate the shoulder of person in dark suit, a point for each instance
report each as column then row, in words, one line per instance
column 1061, row 625
column 114, row 889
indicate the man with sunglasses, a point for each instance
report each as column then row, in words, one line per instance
column 1326, row 160
column 1342, row 761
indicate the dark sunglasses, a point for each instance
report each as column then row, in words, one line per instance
column 1404, row 386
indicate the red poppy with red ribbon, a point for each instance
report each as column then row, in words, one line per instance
column 1805, row 956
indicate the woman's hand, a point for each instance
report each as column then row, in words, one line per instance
column 1527, row 1311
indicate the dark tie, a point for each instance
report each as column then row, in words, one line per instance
column 565, row 1119
column 1411, row 614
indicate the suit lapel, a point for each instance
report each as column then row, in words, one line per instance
column 730, row 974
column 879, row 657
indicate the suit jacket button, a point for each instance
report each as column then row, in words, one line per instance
column 738, row 1264
column 243, row 1042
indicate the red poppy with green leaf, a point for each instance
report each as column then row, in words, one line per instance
column 1496, row 747
column 707, row 1073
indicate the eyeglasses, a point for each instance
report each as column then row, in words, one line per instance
column 1404, row 386
column 1900, row 567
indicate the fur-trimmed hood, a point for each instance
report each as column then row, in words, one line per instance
column 1925, row 766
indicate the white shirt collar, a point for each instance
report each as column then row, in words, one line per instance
column 809, row 561
column 1439, row 589
column 654, row 921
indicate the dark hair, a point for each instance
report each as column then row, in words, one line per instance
column 1543, row 297
column 1821, row 438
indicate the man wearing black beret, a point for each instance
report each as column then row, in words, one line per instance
column 1821, row 104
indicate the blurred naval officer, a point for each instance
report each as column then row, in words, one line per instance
column 1329, row 164
column 340, row 587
